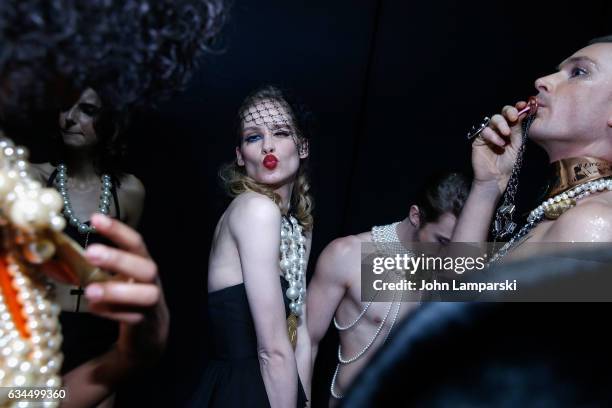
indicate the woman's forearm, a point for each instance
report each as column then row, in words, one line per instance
column 303, row 357
column 279, row 373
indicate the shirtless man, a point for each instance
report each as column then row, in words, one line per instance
column 335, row 290
column 574, row 126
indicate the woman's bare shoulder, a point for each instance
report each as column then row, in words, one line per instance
column 251, row 207
column 253, row 204
column 132, row 185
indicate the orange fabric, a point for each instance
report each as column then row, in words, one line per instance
column 10, row 297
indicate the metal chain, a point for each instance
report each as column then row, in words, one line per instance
column 504, row 224
column 515, row 238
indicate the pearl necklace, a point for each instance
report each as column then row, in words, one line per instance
column 33, row 359
column 293, row 263
column 30, row 334
column 61, row 180
column 386, row 235
column 553, row 208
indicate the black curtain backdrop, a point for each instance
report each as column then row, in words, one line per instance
column 394, row 85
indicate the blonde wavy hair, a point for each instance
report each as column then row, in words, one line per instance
column 236, row 181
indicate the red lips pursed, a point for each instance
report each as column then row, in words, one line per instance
column 270, row 162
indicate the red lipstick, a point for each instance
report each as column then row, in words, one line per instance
column 270, row 162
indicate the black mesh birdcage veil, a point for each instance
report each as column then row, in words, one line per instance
column 269, row 107
column 266, row 111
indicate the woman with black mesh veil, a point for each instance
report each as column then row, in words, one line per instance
column 257, row 264
column 103, row 60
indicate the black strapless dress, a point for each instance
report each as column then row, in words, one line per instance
column 232, row 377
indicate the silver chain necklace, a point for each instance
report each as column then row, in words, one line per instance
column 504, row 224
column 386, row 234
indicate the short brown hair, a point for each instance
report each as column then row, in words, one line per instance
column 442, row 193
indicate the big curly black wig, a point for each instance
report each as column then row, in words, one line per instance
column 132, row 52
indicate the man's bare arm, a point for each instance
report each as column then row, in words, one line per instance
column 494, row 153
column 329, row 285
column 477, row 213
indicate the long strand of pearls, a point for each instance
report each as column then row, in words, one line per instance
column 341, row 361
column 293, row 262
column 35, row 361
column 385, row 234
column 30, row 354
column 61, row 182
column 23, row 200
column 376, row 333
column 386, row 240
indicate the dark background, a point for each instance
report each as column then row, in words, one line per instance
column 394, row 86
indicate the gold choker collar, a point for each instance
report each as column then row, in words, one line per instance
column 568, row 173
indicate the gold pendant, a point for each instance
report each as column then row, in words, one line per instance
column 292, row 323
column 554, row 211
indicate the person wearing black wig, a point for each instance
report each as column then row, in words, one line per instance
column 89, row 176
column 132, row 54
